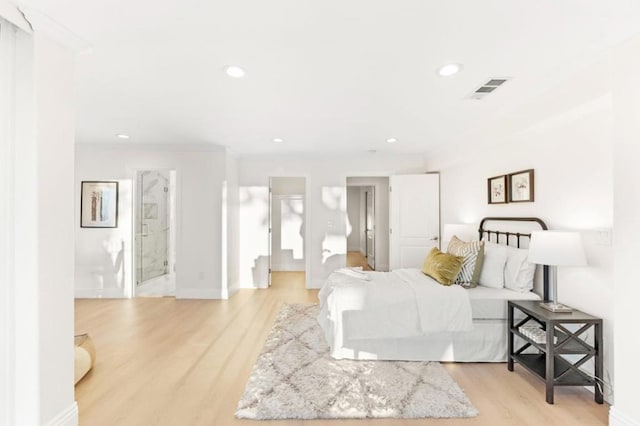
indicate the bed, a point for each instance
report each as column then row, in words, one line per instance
column 406, row 315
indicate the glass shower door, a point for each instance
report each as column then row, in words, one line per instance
column 153, row 225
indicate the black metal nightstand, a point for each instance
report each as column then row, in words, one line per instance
column 555, row 340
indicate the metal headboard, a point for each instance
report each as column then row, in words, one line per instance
column 508, row 235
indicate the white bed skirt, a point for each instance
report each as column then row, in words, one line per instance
column 486, row 342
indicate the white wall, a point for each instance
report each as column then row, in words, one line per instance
column 626, row 151
column 353, row 214
column 37, row 188
column 200, row 173
column 232, row 228
column 288, row 185
column 571, row 152
column 254, row 236
column 55, row 135
column 326, row 205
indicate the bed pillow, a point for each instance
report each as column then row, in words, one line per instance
column 518, row 271
column 442, row 267
column 472, row 254
column 495, row 259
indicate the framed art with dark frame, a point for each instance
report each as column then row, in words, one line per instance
column 497, row 189
column 99, row 204
column 521, row 186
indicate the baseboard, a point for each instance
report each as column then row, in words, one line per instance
column 249, row 286
column 233, row 291
column 67, row 417
column 316, row 283
column 99, row 293
column 354, row 248
column 616, row 418
column 199, row 293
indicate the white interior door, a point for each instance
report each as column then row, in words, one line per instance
column 414, row 216
column 370, row 227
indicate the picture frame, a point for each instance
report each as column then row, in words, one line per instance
column 521, row 186
column 497, row 190
column 99, row 204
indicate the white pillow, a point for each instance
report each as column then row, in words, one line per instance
column 518, row 271
column 495, row 258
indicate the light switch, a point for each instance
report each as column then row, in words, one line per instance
column 603, row 236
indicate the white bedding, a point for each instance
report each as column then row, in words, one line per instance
column 491, row 303
column 486, row 342
column 403, row 303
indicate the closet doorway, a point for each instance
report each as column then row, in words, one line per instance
column 287, row 223
column 155, row 233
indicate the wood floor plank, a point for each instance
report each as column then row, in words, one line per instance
column 355, row 258
column 162, row 361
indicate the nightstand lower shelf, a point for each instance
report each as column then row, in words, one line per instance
column 537, row 364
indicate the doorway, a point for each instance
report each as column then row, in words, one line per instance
column 368, row 222
column 287, row 222
column 369, row 225
column 155, row 233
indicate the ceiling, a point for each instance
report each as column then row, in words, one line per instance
column 326, row 76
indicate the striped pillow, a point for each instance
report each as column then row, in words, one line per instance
column 472, row 254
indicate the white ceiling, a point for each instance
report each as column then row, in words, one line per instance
column 327, row 76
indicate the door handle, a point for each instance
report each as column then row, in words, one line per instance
column 434, row 239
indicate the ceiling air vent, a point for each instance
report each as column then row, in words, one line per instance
column 487, row 88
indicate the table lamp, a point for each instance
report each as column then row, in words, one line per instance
column 556, row 248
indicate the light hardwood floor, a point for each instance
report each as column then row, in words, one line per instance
column 355, row 258
column 162, row 361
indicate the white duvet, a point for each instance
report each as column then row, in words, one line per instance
column 398, row 304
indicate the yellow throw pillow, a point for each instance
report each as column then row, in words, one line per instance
column 442, row 267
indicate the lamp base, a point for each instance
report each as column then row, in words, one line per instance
column 555, row 307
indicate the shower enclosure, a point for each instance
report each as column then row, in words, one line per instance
column 153, row 210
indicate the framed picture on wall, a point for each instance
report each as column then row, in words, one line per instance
column 99, row 204
column 497, row 189
column 521, row 186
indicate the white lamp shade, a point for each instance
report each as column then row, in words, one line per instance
column 464, row 232
column 557, row 248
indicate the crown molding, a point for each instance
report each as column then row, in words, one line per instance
column 43, row 24
column 14, row 15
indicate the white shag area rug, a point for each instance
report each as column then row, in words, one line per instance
column 295, row 378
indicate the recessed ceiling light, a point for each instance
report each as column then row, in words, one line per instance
column 449, row 69
column 123, row 136
column 392, row 140
column 234, row 71
column 278, row 140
